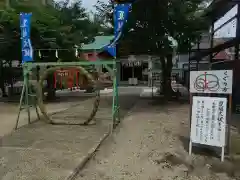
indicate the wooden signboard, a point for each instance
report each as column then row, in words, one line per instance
column 208, row 122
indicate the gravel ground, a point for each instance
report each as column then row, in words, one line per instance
column 80, row 112
column 151, row 144
column 43, row 151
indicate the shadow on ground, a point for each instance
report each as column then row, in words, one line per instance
column 42, row 151
column 204, row 156
column 71, row 97
column 211, row 157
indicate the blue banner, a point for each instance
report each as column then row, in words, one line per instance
column 112, row 50
column 121, row 12
column 25, row 26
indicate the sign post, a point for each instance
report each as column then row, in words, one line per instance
column 27, row 56
column 27, row 52
column 208, row 114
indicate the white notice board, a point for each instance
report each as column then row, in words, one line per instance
column 218, row 82
column 208, row 121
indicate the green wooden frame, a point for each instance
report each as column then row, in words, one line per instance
column 26, row 91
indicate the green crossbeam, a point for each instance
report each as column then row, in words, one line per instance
column 80, row 63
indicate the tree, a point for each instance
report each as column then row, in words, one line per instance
column 105, row 11
column 61, row 26
column 152, row 25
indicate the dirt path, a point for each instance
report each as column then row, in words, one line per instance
column 151, row 144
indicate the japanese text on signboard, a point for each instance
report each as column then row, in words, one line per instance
column 208, row 121
column 121, row 12
column 25, row 23
column 225, row 82
column 218, row 82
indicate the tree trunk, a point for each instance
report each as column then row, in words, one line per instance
column 11, row 78
column 166, row 76
column 38, row 73
column 2, row 86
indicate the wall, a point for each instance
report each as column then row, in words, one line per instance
column 90, row 56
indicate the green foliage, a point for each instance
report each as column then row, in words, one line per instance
column 151, row 23
column 105, row 11
column 58, row 26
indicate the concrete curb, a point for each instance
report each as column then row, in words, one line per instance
column 86, row 159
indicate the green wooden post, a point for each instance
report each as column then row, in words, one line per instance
column 115, row 104
column 26, row 84
column 24, row 102
column 20, row 105
column 116, row 92
column 114, row 97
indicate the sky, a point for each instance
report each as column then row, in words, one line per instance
column 90, row 3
